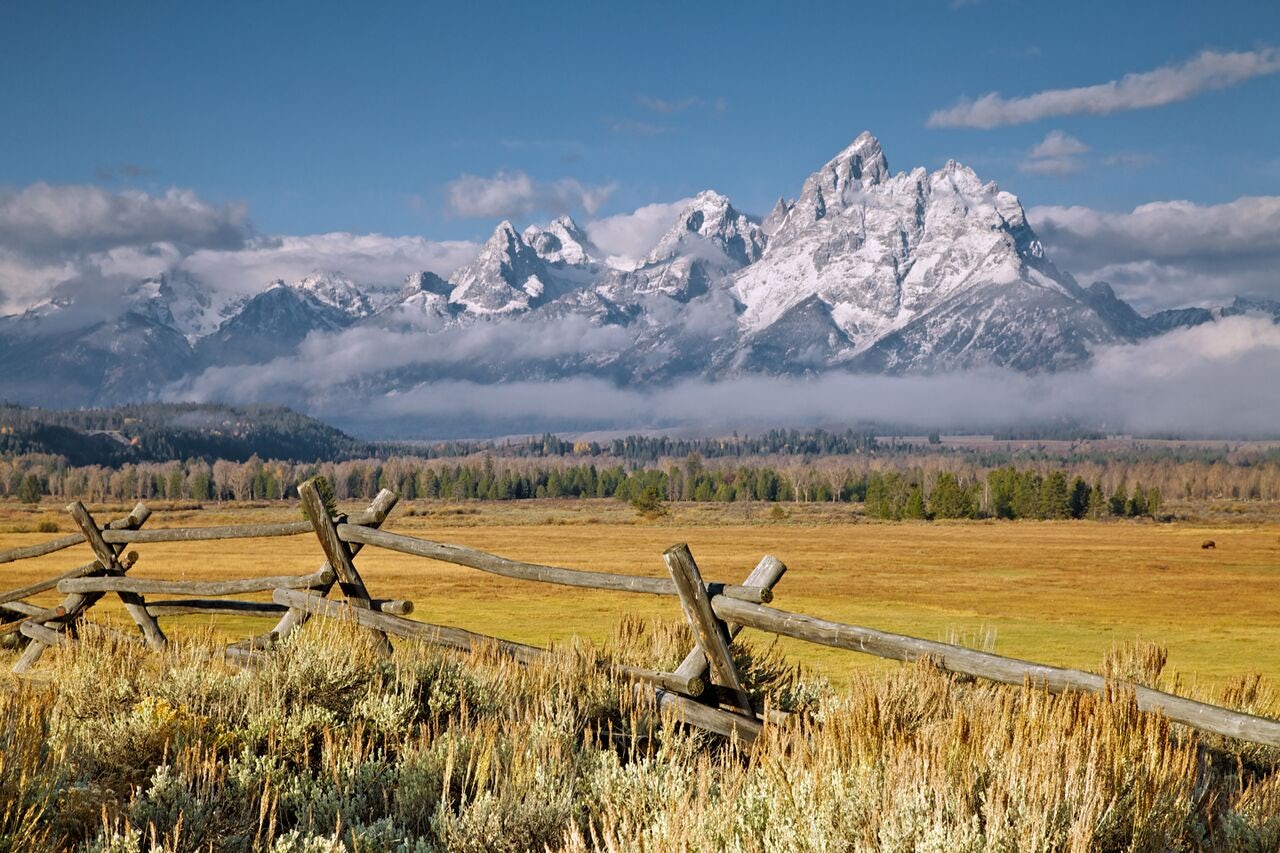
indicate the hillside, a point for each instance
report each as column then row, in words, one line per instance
column 157, row 432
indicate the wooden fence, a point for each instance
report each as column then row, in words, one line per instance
column 705, row 688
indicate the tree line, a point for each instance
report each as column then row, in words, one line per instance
column 910, row 492
column 1005, row 493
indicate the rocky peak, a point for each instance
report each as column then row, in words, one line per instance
column 710, row 219
column 561, row 242
column 335, row 290
column 836, row 186
column 424, row 282
column 776, row 217
column 503, row 278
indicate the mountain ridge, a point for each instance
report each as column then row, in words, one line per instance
column 865, row 270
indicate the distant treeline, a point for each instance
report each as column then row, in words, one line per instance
column 941, row 487
column 1005, row 493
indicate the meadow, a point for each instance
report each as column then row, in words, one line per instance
column 1057, row 592
column 325, row 747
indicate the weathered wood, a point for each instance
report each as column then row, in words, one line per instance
column 765, row 575
column 76, row 603
column 374, row 515
column 494, row 564
column 394, row 606
column 135, row 518
column 214, row 607
column 43, row 635
column 1200, row 715
column 23, row 608
column 724, row 723
column 338, row 554
column 41, row 615
column 26, row 552
column 709, row 632
column 49, row 583
column 107, row 555
column 148, row 586
column 196, row 534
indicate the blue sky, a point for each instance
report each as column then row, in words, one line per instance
column 321, row 117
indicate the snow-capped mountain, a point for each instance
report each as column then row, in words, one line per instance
column 562, row 242
column 867, row 270
column 336, row 291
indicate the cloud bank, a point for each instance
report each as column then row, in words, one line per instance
column 1208, row 71
column 84, row 237
column 1170, row 253
column 1211, row 380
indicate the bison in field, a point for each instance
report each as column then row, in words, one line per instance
column 1207, row 544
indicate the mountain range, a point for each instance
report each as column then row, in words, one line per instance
column 863, row 270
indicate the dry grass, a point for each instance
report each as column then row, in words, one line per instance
column 329, row 748
column 1058, row 592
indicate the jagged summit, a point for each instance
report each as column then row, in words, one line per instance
column 503, row 278
column 562, row 242
column 336, row 291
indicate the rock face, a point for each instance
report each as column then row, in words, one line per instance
column 920, row 272
column 506, row 277
column 914, row 272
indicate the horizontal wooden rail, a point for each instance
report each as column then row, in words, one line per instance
column 460, row 639
column 486, row 562
column 196, row 534
column 36, row 631
column 40, row 615
column 23, row 608
column 144, row 586
column 1200, row 715
column 120, row 532
column 49, row 583
column 213, row 607
column 26, row 552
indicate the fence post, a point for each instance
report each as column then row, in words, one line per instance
column 76, row 604
column 709, row 632
column 338, row 554
column 107, row 554
column 766, row 574
column 294, row 618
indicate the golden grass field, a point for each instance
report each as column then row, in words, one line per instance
column 1057, row 592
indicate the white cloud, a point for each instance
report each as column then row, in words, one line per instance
column 627, row 237
column 1213, row 380
column 1208, row 71
column 46, row 220
column 1057, row 154
column 366, row 258
column 51, row 235
column 1170, row 253
column 515, row 195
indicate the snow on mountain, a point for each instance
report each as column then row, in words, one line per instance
column 336, row 291
column 863, row 270
column 562, row 242
column 500, row 279
column 709, row 241
column 920, row 271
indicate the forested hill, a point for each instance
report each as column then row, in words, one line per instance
column 163, row 431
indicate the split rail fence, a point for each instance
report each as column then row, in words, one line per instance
column 705, row 689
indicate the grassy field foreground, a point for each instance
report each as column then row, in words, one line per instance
column 1058, row 592
column 108, row 747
